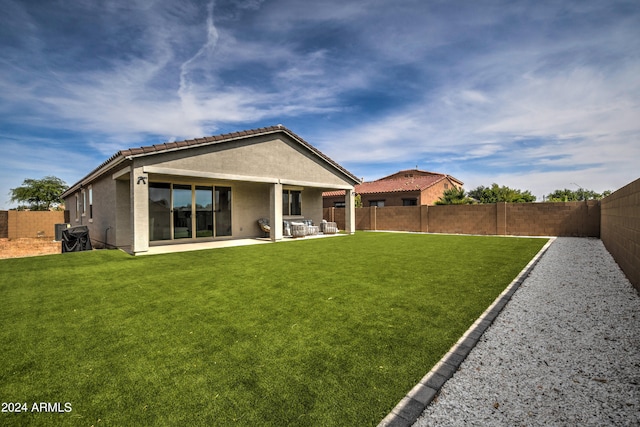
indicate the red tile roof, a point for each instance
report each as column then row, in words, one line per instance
column 406, row 180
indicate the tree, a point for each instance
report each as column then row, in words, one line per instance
column 40, row 194
column 358, row 201
column 495, row 194
column 578, row 195
column 454, row 196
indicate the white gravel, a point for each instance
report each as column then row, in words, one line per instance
column 565, row 350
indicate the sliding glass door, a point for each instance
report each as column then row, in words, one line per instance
column 204, row 211
column 181, row 211
column 159, row 211
column 182, row 215
column 223, row 211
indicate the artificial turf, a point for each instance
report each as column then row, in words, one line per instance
column 325, row 332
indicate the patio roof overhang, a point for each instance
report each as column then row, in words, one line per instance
column 165, row 171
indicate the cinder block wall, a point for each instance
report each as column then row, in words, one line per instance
column 397, row 218
column 461, row 219
column 4, row 224
column 620, row 229
column 23, row 224
column 580, row 219
column 336, row 215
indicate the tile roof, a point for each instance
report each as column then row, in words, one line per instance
column 406, row 180
column 209, row 140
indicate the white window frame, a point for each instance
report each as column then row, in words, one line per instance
column 83, row 202
column 288, row 191
column 77, row 207
column 90, row 203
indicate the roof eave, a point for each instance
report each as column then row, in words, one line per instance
column 109, row 164
column 133, row 153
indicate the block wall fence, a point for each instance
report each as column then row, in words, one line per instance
column 620, row 229
column 4, row 224
column 21, row 224
column 579, row 219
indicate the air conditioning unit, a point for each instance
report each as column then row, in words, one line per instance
column 59, row 229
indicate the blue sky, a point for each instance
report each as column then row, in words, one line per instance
column 536, row 95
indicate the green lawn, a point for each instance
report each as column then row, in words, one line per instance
column 326, row 332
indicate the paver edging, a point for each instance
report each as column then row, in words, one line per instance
column 407, row 411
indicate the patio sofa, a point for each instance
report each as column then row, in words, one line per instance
column 299, row 228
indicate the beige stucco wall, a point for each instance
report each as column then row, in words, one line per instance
column 312, row 205
column 121, row 230
column 250, row 202
column 251, row 167
column 260, row 157
column 107, row 207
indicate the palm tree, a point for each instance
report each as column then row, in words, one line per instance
column 454, row 196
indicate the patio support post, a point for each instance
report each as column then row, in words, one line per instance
column 139, row 184
column 350, row 211
column 275, row 212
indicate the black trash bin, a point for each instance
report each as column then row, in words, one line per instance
column 76, row 239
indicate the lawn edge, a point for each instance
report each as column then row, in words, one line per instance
column 411, row 406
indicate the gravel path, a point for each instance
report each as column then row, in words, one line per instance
column 565, row 350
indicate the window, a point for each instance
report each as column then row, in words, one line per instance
column 204, row 211
column 409, row 202
column 90, row 203
column 291, row 202
column 182, row 211
column 84, row 202
column 223, row 211
column 446, row 186
column 159, row 211
column 377, row 203
column 78, row 208
column 339, row 204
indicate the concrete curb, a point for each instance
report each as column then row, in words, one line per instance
column 416, row 401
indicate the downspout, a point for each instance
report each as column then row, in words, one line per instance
column 106, row 236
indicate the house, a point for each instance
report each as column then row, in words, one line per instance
column 411, row 187
column 206, row 189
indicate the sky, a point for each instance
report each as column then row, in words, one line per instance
column 536, row 95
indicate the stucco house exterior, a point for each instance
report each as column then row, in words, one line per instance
column 204, row 189
column 412, row 187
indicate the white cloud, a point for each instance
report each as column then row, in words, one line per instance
column 553, row 86
column 579, row 113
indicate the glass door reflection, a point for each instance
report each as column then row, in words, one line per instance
column 223, row 211
column 182, row 218
column 159, row 211
column 204, row 211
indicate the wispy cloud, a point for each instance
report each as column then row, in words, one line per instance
column 523, row 91
column 578, row 106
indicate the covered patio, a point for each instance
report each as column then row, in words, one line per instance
column 200, row 246
column 207, row 190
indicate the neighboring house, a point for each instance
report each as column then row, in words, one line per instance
column 206, row 189
column 411, row 187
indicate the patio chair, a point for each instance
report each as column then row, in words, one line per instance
column 264, row 226
column 328, row 227
column 299, row 229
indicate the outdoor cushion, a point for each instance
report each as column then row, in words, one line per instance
column 264, row 225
